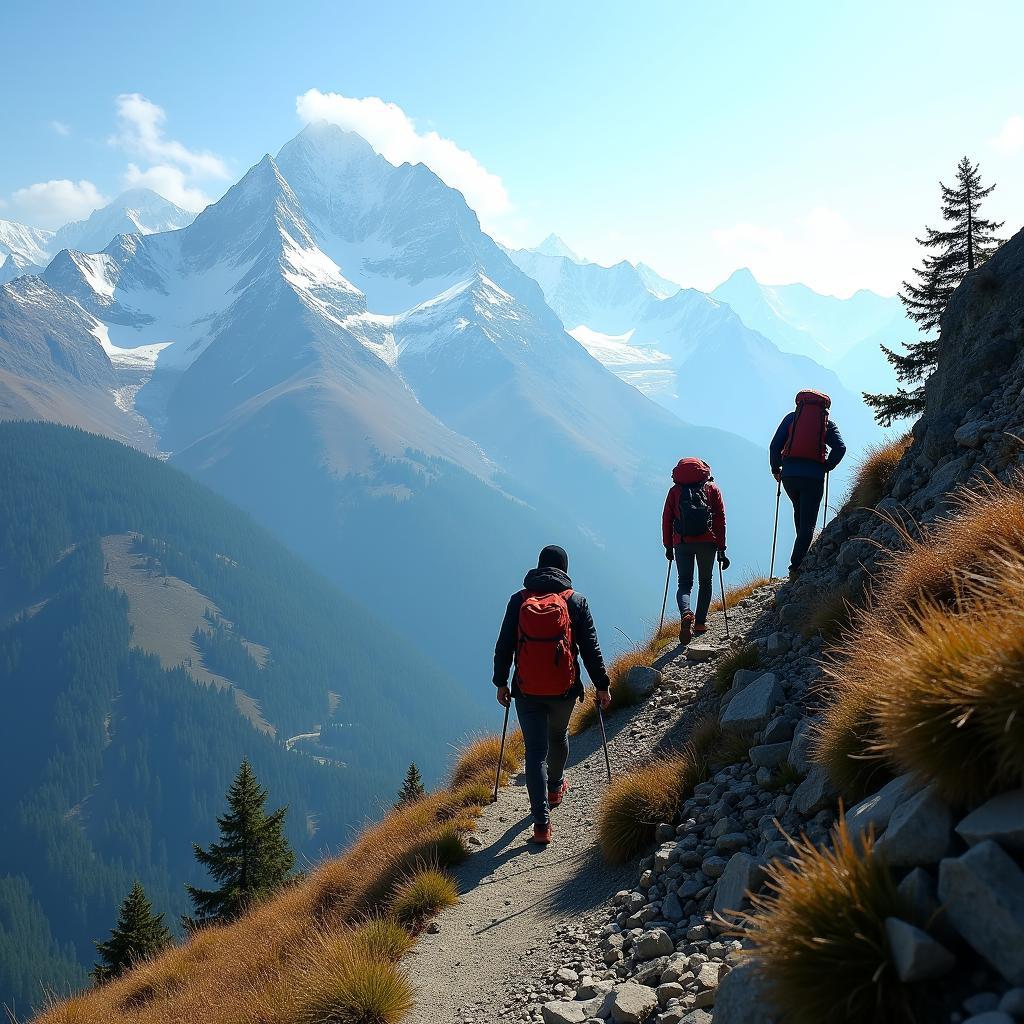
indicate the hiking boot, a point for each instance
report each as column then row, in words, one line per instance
column 686, row 629
column 555, row 796
column 700, row 629
column 541, row 835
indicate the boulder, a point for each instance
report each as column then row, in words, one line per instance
column 970, row 435
column 814, row 794
column 983, row 893
column 669, row 990
column 876, row 810
column 743, row 677
column 558, row 1012
column 917, row 894
column 769, row 755
column 742, row 998
column 919, row 831
column 778, row 730
column 800, row 749
column 742, row 874
column 632, row 1003
column 641, row 680
column 654, row 944
column 1000, row 819
column 918, row 957
column 702, row 652
column 752, row 707
column 776, row 645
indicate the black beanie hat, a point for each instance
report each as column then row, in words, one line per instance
column 553, row 557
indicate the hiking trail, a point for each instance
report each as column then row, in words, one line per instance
column 490, row 958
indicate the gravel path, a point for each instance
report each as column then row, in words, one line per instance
column 492, row 957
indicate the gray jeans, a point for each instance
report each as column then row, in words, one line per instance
column 703, row 553
column 545, row 724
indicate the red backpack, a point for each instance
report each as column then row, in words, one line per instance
column 806, row 438
column 545, row 666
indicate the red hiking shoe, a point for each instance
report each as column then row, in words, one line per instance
column 541, row 836
column 686, row 629
column 555, row 796
column 700, row 629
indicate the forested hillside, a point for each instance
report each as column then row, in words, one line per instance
column 114, row 764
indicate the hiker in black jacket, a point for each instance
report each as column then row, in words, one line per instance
column 806, row 446
column 546, row 630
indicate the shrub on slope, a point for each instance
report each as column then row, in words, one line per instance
column 875, row 472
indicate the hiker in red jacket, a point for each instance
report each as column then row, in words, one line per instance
column 693, row 531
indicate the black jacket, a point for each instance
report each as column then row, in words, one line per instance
column 584, row 635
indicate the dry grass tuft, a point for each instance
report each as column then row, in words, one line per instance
column 746, row 657
column 381, row 938
column 986, row 520
column 422, row 895
column 740, row 592
column 831, row 615
column 818, row 935
column 637, row 802
column 479, row 761
column 875, row 472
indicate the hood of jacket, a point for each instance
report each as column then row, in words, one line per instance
column 691, row 471
column 547, row 581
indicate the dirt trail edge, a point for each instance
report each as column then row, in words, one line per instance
column 490, row 951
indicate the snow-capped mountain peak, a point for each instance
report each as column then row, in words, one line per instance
column 554, row 246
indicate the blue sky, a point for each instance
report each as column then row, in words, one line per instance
column 802, row 139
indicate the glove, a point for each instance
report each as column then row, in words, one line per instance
column 723, row 560
column 777, row 473
column 670, row 554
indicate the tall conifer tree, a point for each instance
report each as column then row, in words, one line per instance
column 412, row 788
column 138, row 935
column 251, row 859
column 966, row 242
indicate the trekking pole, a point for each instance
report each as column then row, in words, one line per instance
column 775, row 532
column 664, row 602
column 501, row 757
column 604, row 740
column 824, row 514
column 725, row 611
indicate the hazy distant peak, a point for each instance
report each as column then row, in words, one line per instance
column 554, row 246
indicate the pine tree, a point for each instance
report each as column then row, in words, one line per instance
column 138, row 935
column 251, row 859
column 412, row 788
column 965, row 244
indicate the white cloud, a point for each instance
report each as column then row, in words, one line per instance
column 60, row 127
column 168, row 181
column 51, row 204
column 1011, row 136
column 393, row 134
column 141, row 131
column 822, row 249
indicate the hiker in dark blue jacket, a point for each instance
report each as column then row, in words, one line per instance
column 806, row 446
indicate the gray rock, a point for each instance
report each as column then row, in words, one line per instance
column 1000, row 819
column 981, row 1002
column 641, row 679
column 778, row 730
column 559, row 1012
column 983, row 894
column 742, row 874
column 632, row 1003
column 669, row 990
column 917, row 893
column 654, row 944
column 752, row 707
column 713, row 866
column 702, row 652
column 769, row 755
column 876, row 810
column 744, row 677
column 671, row 908
column 990, row 1017
column 1013, row 1002
column 742, row 998
column 815, row 793
column 970, row 435
column 919, row 831
column 697, row 1017
column 800, row 750
column 918, row 957
column 778, row 643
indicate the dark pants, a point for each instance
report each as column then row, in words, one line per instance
column 703, row 554
column 805, row 492
column 545, row 724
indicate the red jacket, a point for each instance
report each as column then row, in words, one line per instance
column 689, row 472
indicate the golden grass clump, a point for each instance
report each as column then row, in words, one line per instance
column 986, row 520
column 421, row 895
column 876, row 470
column 382, row 938
column 830, row 616
column 341, row 984
column 479, row 761
column 740, row 592
column 746, row 657
column 637, row 802
column 818, row 934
